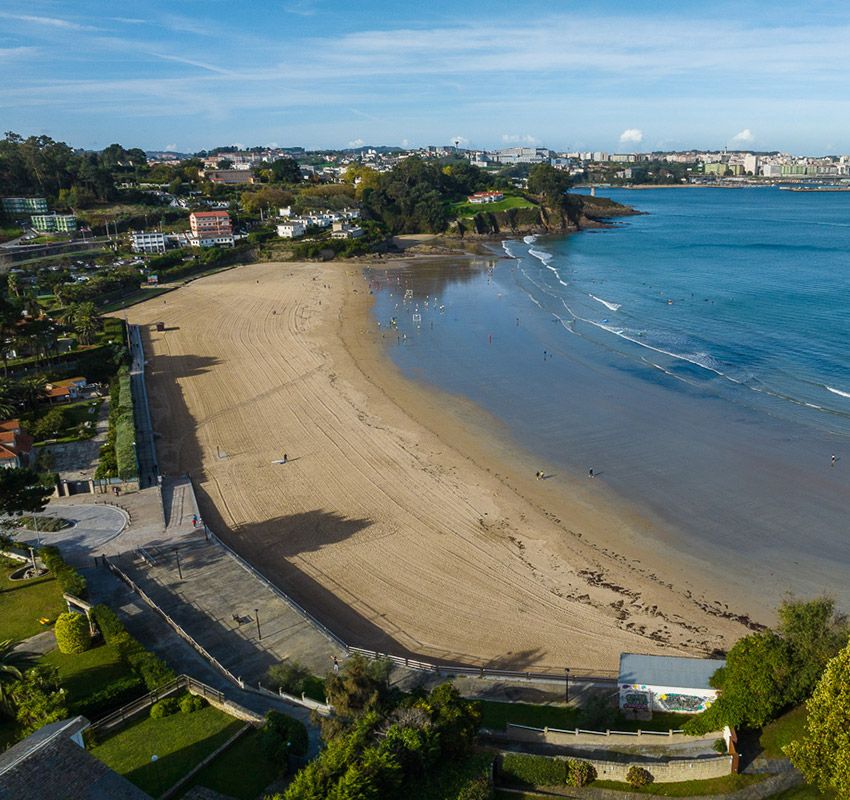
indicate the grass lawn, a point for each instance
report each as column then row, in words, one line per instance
column 84, row 674
column 465, row 209
column 22, row 603
column 179, row 741
column 74, row 414
column 719, row 786
column 782, row 731
column 496, row 715
column 241, row 772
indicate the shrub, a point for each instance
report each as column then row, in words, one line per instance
column 53, row 422
column 50, row 557
column 290, row 676
column 71, row 582
column 107, row 622
column 165, row 708
column 72, row 633
column 152, row 670
column 580, row 773
column 720, row 746
column 534, row 770
column 190, row 703
column 638, row 776
column 282, row 735
column 110, row 697
column 476, row 789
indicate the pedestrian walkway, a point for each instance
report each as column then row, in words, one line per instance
column 240, row 621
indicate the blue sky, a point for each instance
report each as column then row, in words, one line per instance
column 605, row 75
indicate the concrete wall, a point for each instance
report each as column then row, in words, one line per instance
column 522, row 733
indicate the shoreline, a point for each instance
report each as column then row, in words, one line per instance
column 402, row 522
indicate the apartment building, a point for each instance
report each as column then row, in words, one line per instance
column 54, row 223
column 144, row 242
column 27, row 206
column 211, row 229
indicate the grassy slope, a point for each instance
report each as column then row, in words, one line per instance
column 22, row 603
column 719, row 786
column 241, row 772
column 85, row 673
column 179, row 741
column 782, row 731
column 496, row 715
column 465, row 209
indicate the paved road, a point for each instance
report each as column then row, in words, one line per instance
column 145, row 447
column 94, row 525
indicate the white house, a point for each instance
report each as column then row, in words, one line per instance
column 342, row 230
column 145, row 242
column 291, row 230
column 479, row 198
column 666, row 683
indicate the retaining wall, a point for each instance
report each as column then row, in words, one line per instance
column 578, row 736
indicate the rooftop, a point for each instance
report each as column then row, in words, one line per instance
column 672, row 671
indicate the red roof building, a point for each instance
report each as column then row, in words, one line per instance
column 15, row 445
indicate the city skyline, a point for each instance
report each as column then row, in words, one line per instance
column 312, row 73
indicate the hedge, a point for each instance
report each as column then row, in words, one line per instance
column 125, row 447
column 282, row 735
column 112, row 696
column 67, row 577
column 528, row 770
column 164, row 708
column 146, row 665
column 72, row 633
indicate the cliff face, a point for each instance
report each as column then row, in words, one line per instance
column 578, row 212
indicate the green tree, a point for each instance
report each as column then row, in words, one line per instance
column 30, row 390
column 360, row 687
column 12, row 666
column 754, row 684
column 49, row 426
column 549, row 183
column 288, row 676
column 285, row 170
column 815, row 632
column 38, row 699
column 21, row 491
column 823, row 754
column 9, row 398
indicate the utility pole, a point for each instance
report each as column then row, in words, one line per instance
column 257, row 620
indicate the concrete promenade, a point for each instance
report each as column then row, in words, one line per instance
column 145, row 446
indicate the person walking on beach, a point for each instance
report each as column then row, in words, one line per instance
column 285, row 457
column 833, row 459
column 590, row 473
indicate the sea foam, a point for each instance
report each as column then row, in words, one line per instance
column 609, row 306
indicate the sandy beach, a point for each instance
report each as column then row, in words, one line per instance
column 402, row 518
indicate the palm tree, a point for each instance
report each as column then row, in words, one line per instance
column 86, row 321
column 12, row 666
column 30, row 389
column 8, row 398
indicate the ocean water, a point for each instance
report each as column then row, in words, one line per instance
column 696, row 357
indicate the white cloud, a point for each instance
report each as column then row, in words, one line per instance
column 519, row 138
column 631, row 136
column 15, row 52
column 356, row 143
column 405, row 143
column 744, row 136
column 303, row 8
column 171, row 147
column 51, row 22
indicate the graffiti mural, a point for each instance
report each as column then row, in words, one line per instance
column 634, row 700
column 682, row 703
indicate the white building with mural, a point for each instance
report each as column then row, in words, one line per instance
column 666, row 683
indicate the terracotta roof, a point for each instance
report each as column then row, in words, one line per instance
column 58, row 391
column 210, row 214
column 10, row 425
column 67, row 381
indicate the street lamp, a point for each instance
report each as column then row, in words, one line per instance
column 257, row 620
column 177, row 556
column 566, row 684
